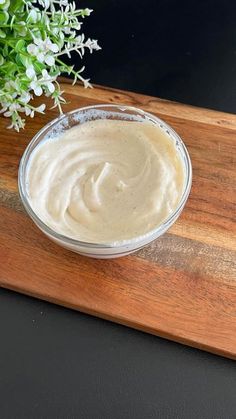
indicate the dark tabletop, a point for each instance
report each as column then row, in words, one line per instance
column 56, row 363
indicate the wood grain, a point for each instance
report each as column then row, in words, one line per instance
column 181, row 287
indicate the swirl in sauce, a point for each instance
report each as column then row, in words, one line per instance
column 105, row 181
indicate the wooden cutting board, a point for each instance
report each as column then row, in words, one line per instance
column 182, row 286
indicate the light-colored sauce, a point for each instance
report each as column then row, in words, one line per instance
column 106, row 180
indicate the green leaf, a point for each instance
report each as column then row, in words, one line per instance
column 16, row 5
column 20, row 45
column 2, row 34
column 4, row 16
column 9, row 67
column 5, row 50
column 18, row 60
column 26, row 61
column 38, row 66
column 1, row 60
column 5, row 5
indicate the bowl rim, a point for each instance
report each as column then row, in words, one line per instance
column 116, row 244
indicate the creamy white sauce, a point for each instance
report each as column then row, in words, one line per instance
column 105, row 181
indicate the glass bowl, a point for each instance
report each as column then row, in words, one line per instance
column 79, row 116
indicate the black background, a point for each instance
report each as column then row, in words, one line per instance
column 176, row 49
column 56, row 363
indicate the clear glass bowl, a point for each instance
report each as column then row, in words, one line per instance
column 79, row 116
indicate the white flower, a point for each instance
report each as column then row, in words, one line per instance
column 27, row 111
column 41, row 50
column 32, row 49
column 49, row 60
column 12, row 108
column 47, row 81
column 30, row 111
column 92, row 44
column 44, row 3
column 33, row 16
column 49, row 46
column 25, row 97
column 36, row 87
column 41, row 108
column 30, row 72
column 67, row 30
column 46, row 45
column 87, row 12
